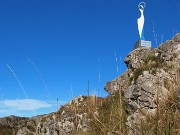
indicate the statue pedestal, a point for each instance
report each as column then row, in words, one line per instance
column 142, row 43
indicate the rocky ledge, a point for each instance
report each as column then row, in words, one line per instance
column 153, row 75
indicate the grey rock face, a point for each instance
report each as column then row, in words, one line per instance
column 152, row 75
column 143, row 94
column 120, row 83
column 136, row 58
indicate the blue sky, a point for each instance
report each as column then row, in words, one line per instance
column 55, row 46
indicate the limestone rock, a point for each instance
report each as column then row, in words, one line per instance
column 152, row 74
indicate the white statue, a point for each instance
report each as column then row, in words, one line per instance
column 141, row 20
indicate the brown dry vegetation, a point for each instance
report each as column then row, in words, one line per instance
column 113, row 117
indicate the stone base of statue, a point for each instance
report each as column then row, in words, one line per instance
column 142, row 43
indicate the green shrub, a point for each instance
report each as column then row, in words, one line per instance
column 6, row 130
column 150, row 58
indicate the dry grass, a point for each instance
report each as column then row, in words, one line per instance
column 112, row 117
column 166, row 121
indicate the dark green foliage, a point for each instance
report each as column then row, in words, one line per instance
column 150, row 58
column 6, row 130
column 31, row 128
column 138, row 72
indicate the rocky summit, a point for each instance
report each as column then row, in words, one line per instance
column 152, row 77
column 143, row 100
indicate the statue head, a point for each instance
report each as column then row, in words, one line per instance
column 141, row 6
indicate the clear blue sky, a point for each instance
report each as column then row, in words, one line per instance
column 64, row 39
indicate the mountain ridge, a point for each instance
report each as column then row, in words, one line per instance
column 148, row 90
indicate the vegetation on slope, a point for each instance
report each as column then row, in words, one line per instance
column 5, row 130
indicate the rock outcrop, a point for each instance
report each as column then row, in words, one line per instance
column 67, row 120
column 72, row 118
column 152, row 75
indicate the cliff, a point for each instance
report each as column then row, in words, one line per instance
column 151, row 83
column 143, row 100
